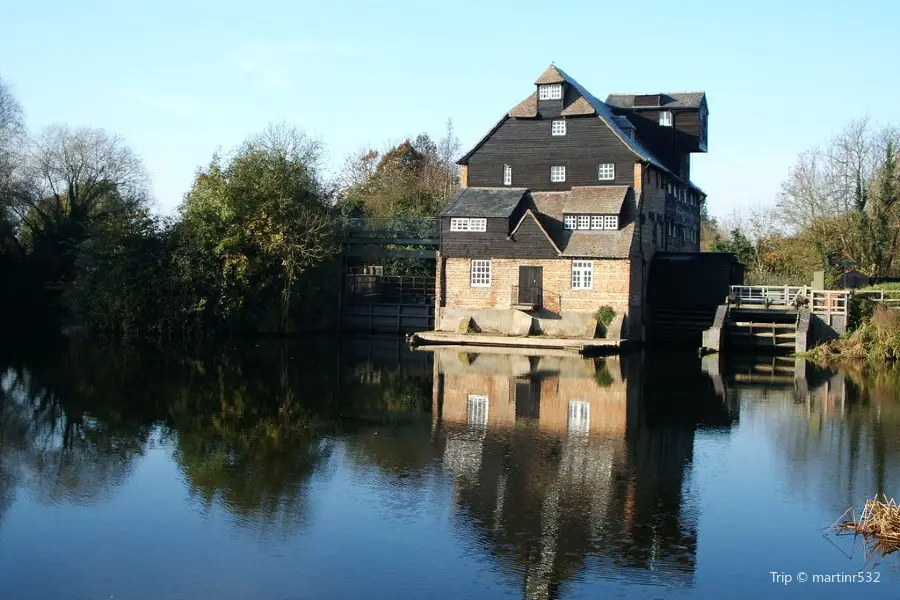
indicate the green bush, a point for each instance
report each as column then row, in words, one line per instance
column 604, row 316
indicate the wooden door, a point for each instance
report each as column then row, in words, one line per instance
column 530, row 284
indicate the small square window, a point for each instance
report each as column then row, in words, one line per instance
column 582, row 274
column 610, row 222
column 477, row 224
column 550, row 92
column 557, row 174
column 596, row 222
column 569, row 221
column 459, row 224
column 584, row 222
column 481, row 273
column 606, row 172
column 665, row 118
column 507, row 175
column 558, row 127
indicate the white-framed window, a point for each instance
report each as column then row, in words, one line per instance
column 557, row 174
column 582, row 274
column 606, row 172
column 611, row 222
column 672, row 229
column 507, row 175
column 465, row 224
column 552, row 91
column 665, row 118
column 570, row 221
column 596, row 222
column 558, row 127
column 579, row 416
column 477, row 410
column 584, row 222
column 481, row 273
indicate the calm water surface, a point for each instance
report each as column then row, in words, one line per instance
column 358, row 469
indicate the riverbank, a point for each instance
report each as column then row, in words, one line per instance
column 876, row 339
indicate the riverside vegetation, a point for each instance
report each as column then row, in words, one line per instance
column 251, row 247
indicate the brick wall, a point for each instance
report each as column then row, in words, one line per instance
column 611, row 284
column 608, row 404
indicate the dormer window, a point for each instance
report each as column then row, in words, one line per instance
column 594, row 222
column 558, row 127
column 665, row 118
column 507, row 175
column 550, row 92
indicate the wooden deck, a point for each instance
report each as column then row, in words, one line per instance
column 593, row 346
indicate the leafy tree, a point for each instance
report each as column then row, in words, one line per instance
column 252, row 226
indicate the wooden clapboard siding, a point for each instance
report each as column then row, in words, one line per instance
column 529, row 241
column 527, row 146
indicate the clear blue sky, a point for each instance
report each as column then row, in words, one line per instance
column 180, row 79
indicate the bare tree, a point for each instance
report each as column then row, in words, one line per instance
column 828, row 195
column 75, row 175
column 12, row 139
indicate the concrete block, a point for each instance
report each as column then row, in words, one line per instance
column 464, row 325
column 616, row 327
column 520, row 323
column 590, row 330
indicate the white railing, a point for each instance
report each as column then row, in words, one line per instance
column 889, row 298
column 784, row 296
column 829, row 302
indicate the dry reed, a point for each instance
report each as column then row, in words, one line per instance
column 879, row 522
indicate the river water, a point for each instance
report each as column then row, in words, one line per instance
column 356, row 468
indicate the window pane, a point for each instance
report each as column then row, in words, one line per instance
column 477, row 224
column 611, row 222
column 584, row 222
column 569, row 221
column 596, row 222
column 550, row 92
column 557, row 174
column 606, row 172
column 558, row 127
column 507, row 175
column 481, row 273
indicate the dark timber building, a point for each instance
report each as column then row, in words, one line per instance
column 564, row 203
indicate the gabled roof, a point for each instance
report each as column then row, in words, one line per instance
column 529, row 214
column 596, row 199
column 587, row 104
column 484, row 202
column 667, row 100
column 551, row 75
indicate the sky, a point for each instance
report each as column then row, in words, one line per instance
column 183, row 79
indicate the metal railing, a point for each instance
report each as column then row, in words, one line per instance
column 390, row 289
column 770, row 296
column 527, row 295
column 425, row 230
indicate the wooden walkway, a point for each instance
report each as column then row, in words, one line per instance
column 593, row 346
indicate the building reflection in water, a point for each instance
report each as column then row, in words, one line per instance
column 559, row 461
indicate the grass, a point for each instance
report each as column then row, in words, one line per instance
column 879, row 523
column 876, row 339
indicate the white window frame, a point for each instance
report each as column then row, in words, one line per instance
column 584, row 221
column 579, row 417
column 551, row 91
column 570, row 221
column 558, row 127
column 596, row 221
column 582, row 274
column 507, row 175
column 477, row 410
column 480, row 273
column 558, row 174
column 606, row 172
column 463, row 224
column 665, row 118
column 611, row 222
